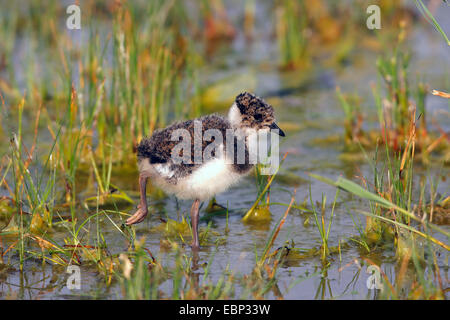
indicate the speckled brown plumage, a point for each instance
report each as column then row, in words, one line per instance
column 256, row 113
column 180, row 175
column 159, row 147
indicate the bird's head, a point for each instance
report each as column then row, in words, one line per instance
column 252, row 114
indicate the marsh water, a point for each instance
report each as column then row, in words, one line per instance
column 307, row 110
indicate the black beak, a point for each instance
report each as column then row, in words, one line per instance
column 274, row 126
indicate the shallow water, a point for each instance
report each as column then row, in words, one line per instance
column 307, row 100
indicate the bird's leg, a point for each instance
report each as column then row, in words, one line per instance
column 194, row 222
column 195, row 260
column 142, row 211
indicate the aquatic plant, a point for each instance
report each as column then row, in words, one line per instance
column 393, row 217
column 291, row 22
column 430, row 18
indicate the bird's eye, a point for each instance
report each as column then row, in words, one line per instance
column 258, row 117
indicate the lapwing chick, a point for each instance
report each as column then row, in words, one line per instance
column 198, row 159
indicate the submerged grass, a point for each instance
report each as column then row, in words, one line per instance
column 394, row 218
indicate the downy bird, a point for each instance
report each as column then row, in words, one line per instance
column 197, row 159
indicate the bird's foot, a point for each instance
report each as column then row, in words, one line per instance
column 138, row 216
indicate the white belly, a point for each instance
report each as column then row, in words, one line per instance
column 211, row 178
